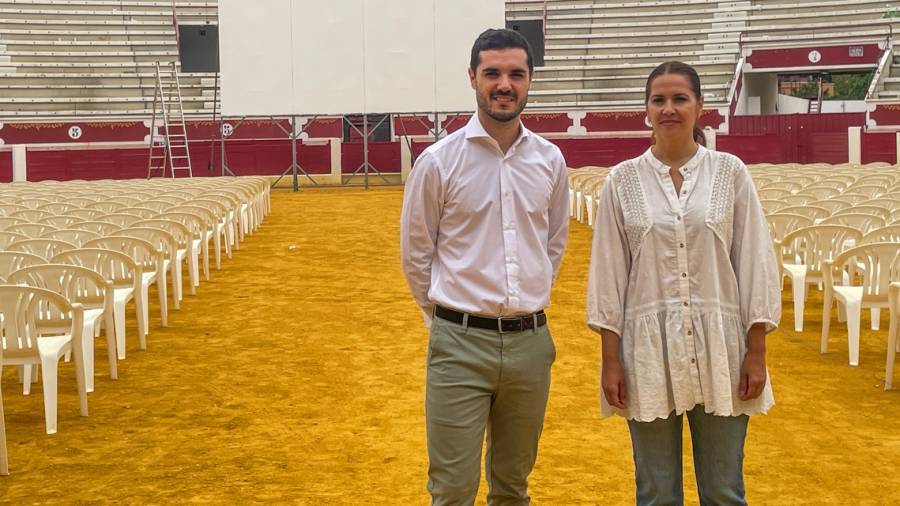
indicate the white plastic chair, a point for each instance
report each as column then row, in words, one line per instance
column 4, row 460
column 811, row 246
column 11, row 261
column 125, row 276
column 881, row 265
column 90, row 289
column 893, row 334
column 31, row 323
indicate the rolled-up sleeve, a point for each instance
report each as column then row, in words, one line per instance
column 610, row 265
column 753, row 257
column 558, row 223
column 420, row 217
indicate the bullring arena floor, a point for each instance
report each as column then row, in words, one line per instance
column 296, row 377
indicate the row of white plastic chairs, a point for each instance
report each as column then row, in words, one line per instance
column 58, row 292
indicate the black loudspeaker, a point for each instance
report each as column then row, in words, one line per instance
column 533, row 31
column 198, row 48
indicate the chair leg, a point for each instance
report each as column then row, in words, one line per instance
column 26, row 373
column 87, row 342
column 119, row 318
column 194, row 269
column 853, row 317
column 893, row 330
column 111, row 345
column 826, row 320
column 4, row 461
column 875, row 317
column 798, row 284
column 48, row 376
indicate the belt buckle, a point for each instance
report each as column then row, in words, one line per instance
column 510, row 319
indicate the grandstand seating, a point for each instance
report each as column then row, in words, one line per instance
column 599, row 53
column 90, row 57
column 96, row 57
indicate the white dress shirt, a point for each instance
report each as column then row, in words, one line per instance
column 481, row 231
column 681, row 278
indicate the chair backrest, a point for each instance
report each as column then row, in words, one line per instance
column 73, row 235
column 85, row 214
column 11, row 261
column 60, row 221
column 44, row 248
column 890, row 233
column 29, row 312
column 142, row 212
column 101, row 228
column 890, row 203
column 780, row 224
column 74, row 282
column 31, row 215
column 773, row 193
column 121, row 220
column 156, row 205
column 194, row 223
column 206, row 214
column 867, row 209
column 56, row 208
column 863, row 222
column 7, row 238
column 822, row 191
column 80, row 203
column 108, row 207
column 162, row 241
column 772, row 205
column 798, row 199
column 812, row 212
column 832, row 204
column 115, row 266
column 8, row 221
column 31, row 229
column 817, row 243
column 33, row 202
column 179, row 232
column 7, row 208
column 854, row 198
column 141, row 251
column 872, row 190
column 880, row 263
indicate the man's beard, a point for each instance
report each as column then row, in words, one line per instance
column 501, row 116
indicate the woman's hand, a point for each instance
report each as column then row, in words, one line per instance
column 753, row 369
column 612, row 375
column 612, row 379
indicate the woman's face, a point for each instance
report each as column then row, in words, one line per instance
column 672, row 108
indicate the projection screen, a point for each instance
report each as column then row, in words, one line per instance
column 309, row 57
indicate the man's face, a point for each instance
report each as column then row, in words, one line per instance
column 501, row 83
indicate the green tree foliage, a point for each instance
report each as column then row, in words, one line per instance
column 851, row 86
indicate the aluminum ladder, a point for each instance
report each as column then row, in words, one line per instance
column 169, row 154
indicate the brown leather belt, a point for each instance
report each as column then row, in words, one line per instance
column 501, row 324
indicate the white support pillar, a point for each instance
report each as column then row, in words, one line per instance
column 854, row 144
column 898, row 147
column 20, row 164
column 335, row 143
column 405, row 158
column 710, row 135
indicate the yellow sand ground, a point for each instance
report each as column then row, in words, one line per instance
column 296, row 377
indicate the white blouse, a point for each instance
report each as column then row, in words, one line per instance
column 681, row 278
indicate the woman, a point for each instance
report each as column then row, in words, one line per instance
column 683, row 289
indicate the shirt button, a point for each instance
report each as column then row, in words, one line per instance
column 678, row 217
column 681, row 245
column 684, row 274
column 685, row 303
column 693, row 360
column 690, row 332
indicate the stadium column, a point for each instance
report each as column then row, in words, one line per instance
column 20, row 164
column 854, row 145
column 335, row 143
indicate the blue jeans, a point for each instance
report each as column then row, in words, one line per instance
column 718, row 443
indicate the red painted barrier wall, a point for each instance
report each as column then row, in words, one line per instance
column 753, row 148
column 804, row 138
column 5, row 166
column 383, row 156
column 880, row 147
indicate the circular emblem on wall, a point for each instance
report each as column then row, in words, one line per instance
column 75, row 132
column 814, row 56
column 227, row 129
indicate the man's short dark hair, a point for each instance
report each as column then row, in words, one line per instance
column 499, row 39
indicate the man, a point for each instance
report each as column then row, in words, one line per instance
column 483, row 229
